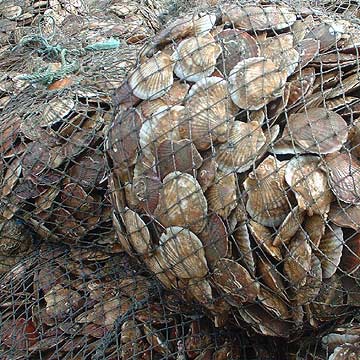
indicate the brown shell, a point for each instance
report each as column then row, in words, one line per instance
column 308, row 50
column 290, row 226
column 235, row 281
column 255, row 18
column 221, row 196
column 314, row 226
column 318, row 130
column 206, row 173
column 153, row 78
column 267, row 201
column 254, row 82
column 344, row 177
column 350, row 261
column 345, row 215
column 236, row 45
column 274, row 304
column 301, row 86
column 208, row 113
column 309, row 184
column 331, row 248
column 243, row 145
column 195, row 57
column 182, row 202
column 56, row 109
column 182, row 253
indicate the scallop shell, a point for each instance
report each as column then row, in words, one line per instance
column 164, row 124
column 254, row 82
column 195, row 57
column 290, row 226
column 346, row 351
column 177, row 156
column 263, row 237
column 215, row 239
column 235, row 281
column 344, row 177
column 314, row 226
column 209, row 113
column 257, row 18
column 318, row 130
column 242, row 147
column 206, row 173
column 56, row 110
column 182, row 203
column 280, row 49
column 190, row 25
column 301, row 86
column 243, row 245
column 221, row 196
column 350, row 260
column 236, row 45
column 345, row 215
column 308, row 50
column 297, row 261
column 182, row 253
column 137, row 231
column 330, row 250
column 274, row 304
column 153, row 78
column 267, row 203
column 309, row 184
column 11, row 177
column 201, row 291
column 156, row 264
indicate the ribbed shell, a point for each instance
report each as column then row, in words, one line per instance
column 208, row 113
column 242, row 147
column 221, row 196
column 274, row 304
column 182, row 202
column 137, row 231
column 153, row 78
column 254, row 82
column 309, row 184
column 195, row 57
column 182, row 253
column 345, row 215
column 350, row 260
column 344, row 177
column 331, row 248
column 314, row 226
column 267, row 203
column 318, row 130
column 280, row 49
column 56, row 110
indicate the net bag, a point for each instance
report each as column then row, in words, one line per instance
column 78, row 304
column 58, row 70
column 235, row 169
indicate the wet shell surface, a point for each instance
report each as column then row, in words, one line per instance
column 195, row 58
column 153, row 78
column 254, row 82
column 182, row 253
column 182, row 202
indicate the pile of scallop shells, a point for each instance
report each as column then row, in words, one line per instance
column 86, row 304
column 235, row 156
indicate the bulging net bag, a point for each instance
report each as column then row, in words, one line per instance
column 59, row 64
column 235, row 169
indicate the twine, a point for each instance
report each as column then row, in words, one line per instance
column 47, row 75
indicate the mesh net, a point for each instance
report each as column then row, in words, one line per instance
column 223, row 222
column 235, row 169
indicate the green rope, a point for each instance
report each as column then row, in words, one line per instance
column 47, row 75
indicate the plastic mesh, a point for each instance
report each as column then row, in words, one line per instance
column 236, row 171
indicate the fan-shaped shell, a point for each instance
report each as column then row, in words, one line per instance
column 263, row 237
column 56, row 110
column 182, row 202
column 309, row 184
column 153, row 78
column 182, row 253
column 267, row 203
column 345, row 215
column 195, row 57
column 164, row 124
column 290, row 226
column 206, row 173
column 318, row 130
column 280, row 49
column 331, row 248
column 255, row 18
column 350, row 260
column 274, row 304
column 235, row 281
column 221, row 196
column 297, row 261
column 344, row 177
column 242, row 147
column 254, row 82
column 301, row 86
column 137, row 231
column 314, row 226
column 236, row 45
column 208, row 113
